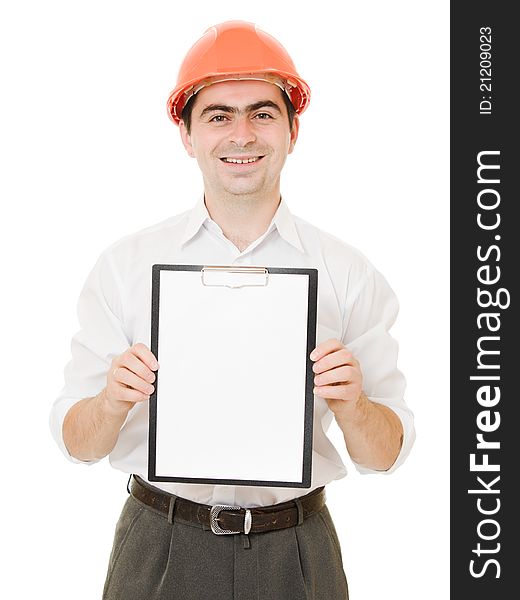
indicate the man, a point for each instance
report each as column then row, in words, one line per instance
column 237, row 104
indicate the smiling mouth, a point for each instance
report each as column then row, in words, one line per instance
column 241, row 161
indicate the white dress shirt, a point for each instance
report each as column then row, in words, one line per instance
column 355, row 305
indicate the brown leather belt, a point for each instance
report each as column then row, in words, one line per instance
column 222, row 519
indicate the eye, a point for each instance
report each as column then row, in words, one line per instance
column 263, row 116
column 218, row 119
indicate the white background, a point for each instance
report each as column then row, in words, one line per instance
column 88, row 156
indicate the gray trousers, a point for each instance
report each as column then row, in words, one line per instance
column 153, row 559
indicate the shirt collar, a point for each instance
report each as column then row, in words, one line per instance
column 283, row 220
column 196, row 217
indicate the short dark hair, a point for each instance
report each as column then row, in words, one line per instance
column 188, row 108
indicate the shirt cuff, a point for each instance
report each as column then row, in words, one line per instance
column 408, row 439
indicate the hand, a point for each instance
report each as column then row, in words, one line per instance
column 130, row 378
column 338, row 377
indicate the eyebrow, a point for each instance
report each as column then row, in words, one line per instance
column 233, row 109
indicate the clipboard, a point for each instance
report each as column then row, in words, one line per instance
column 233, row 400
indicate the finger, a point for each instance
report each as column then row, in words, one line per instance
column 335, row 359
column 131, row 362
column 129, row 395
column 143, row 352
column 341, row 374
column 339, row 392
column 126, row 377
column 325, row 348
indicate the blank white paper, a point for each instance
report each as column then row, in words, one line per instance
column 231, row 384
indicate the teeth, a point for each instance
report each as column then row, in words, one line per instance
column 239, row 161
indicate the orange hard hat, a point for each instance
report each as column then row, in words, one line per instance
column 236, row 50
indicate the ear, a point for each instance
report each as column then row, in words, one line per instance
column 186, row 139
column 294, row 133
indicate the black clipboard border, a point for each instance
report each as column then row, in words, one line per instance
column 312, row 302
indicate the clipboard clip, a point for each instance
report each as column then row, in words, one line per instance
column 234, row 276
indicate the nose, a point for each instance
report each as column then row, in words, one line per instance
column 242, row 132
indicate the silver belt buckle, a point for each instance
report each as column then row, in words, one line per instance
column 213, row 519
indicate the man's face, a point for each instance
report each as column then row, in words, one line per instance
column 244, row 120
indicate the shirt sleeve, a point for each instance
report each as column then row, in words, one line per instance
column 367, row 320
column 101, row 337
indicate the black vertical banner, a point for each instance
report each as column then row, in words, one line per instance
column 485, row 268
